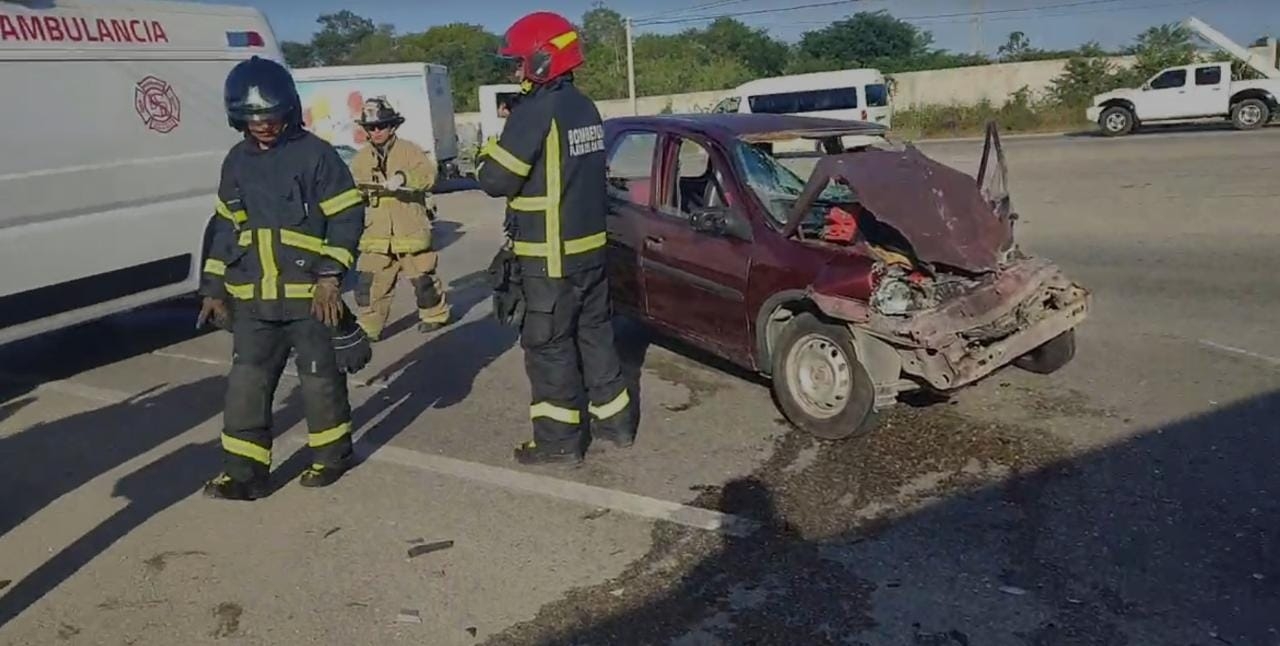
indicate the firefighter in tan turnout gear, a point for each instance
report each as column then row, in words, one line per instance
column 396, row 176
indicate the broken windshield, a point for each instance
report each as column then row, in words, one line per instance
column 777, row 186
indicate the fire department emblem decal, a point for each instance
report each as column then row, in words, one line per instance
column 157, row 104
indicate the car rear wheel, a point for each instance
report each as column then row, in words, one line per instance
column 1116, row 121
column 818, row 382
column 1051, row 356
column 1250, row 114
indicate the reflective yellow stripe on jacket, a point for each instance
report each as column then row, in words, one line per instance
column 555, row 247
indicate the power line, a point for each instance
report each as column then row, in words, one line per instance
column 960, row 14
column 700, row 7
column 815, row 5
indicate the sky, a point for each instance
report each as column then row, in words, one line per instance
column 1050, row 24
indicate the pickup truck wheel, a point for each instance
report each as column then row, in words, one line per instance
column 1116, row 121
column 819, row 384
column 1051, row 356
column 1250, row 114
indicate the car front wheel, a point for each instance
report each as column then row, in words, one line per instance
column 1116, row 121
column 818, row 382
column 1051, row 356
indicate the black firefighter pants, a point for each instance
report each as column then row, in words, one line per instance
column 567, row 335
column 261, row 353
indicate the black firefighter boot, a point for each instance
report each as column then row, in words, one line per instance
column 532, row 453
column 224, row 487
column 323, row 475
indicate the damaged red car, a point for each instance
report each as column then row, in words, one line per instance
column 884, row 272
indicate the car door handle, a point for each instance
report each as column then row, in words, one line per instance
column 653, row 242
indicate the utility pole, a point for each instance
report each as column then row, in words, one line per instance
column 978, row 45
column 631, row 69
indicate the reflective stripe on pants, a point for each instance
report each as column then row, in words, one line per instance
column 261, row 352
column 560, row 392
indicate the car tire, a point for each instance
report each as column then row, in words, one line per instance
column 1051, row 356
column 1116, row 121
column 1250, row 114
column 819, row 384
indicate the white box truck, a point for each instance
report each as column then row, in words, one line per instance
column 112, row 137
column 332, row 97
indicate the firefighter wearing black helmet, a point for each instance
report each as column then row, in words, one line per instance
column 549, row 162
column 288, row 220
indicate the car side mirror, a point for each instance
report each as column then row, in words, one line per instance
column 721, row 222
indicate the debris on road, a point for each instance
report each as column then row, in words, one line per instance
column 471, row 630
column 408, row 616
column 419, row 550
column 1013, row 590
column 4, row 583
column 331, row 532
column 592, row 515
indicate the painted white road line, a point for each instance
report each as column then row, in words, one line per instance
column 1275, row 361
column 589, row 495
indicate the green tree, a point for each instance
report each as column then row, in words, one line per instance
column 730, row 38
column 1088, row 73
column 340, row 33
column 298, row 54
column 604, row 36
column 1162, row 46
column 865, row 39
column 678, row 63
column 382, row 46
column 467, row 50
column 1016, row 48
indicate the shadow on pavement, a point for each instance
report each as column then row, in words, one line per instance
column 1167, row 538
column 438, row 374
column 63, row 353
column 50, row 460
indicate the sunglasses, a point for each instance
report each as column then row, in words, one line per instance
column 378, row 127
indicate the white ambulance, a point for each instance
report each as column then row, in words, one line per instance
column 111, row 136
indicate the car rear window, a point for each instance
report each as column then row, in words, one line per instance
column 877, row 95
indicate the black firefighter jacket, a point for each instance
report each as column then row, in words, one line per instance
column 550, row 165
column 285, row 217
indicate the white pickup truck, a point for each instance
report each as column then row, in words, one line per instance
column 1187, row 93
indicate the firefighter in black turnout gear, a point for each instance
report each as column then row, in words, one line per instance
column 288, row 219
column 549, row 163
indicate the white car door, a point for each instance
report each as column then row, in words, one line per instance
column 1207, row 93
column 1164, row 97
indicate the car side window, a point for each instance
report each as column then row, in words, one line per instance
column 698, row 183
column 1169, row 80
column 630, row 167
column 1208, row 75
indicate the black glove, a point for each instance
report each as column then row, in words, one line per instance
column 508, row 297
column 350, row 343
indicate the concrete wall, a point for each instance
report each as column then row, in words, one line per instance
column 963, row 85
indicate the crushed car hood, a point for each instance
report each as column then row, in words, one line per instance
column 941, row 211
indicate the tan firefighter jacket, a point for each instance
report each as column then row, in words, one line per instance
column 396, row 223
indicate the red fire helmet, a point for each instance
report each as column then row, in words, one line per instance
column 546, row 44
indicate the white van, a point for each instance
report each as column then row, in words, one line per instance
column 110, row 145
column 854, row 95
column 491, row 96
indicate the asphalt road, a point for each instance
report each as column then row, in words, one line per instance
column 1128, row 499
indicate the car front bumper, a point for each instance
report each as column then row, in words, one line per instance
column 1093, row 113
